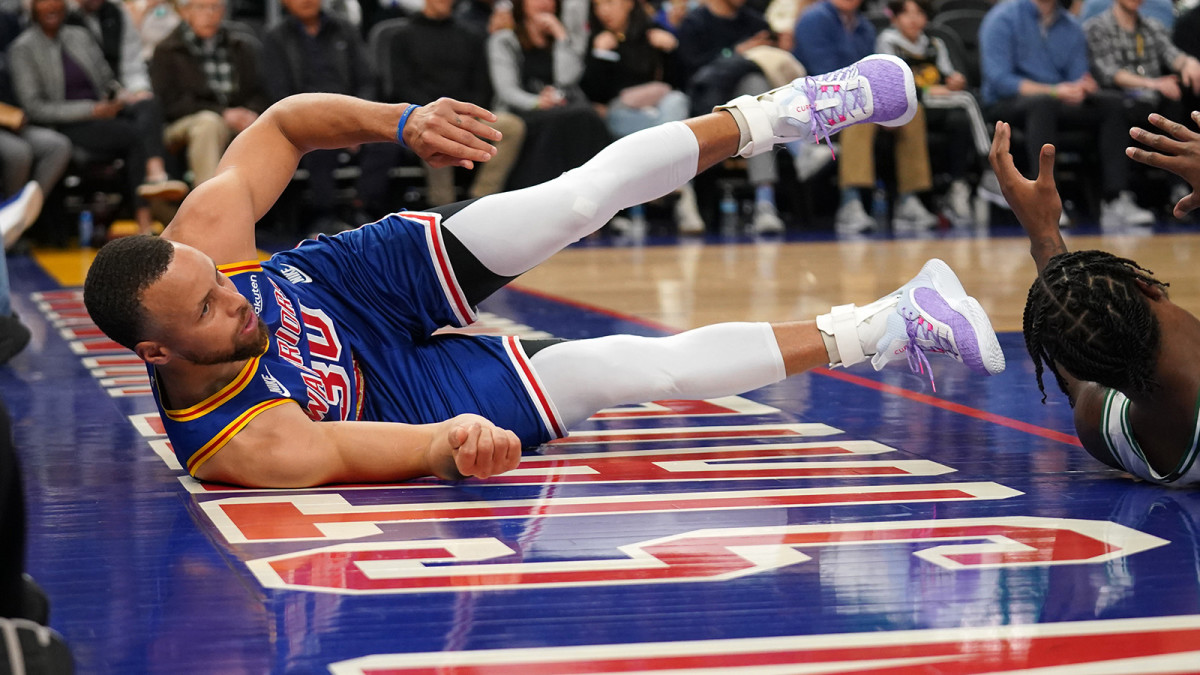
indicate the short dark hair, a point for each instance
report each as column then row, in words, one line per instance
column 122, row 271
column 1086, row 314
column 896, row 7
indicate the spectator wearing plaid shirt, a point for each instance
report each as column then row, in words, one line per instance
column 207, row 77
column 1034, row 58
column 1134, row 53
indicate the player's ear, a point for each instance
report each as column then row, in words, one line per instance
column 152, row 352
column 1151, row 291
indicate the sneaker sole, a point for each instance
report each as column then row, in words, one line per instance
column 980, row 349
column 910, row 91
column 984, row 355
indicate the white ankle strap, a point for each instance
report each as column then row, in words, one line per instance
column 842, row 323
column 762, row 134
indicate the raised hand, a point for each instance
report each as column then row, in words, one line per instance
column 1178, row 153
column 1035, row 202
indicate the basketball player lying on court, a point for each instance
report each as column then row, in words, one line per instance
column 1121, row 351
column 244, row 356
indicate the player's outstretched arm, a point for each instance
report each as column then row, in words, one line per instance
column 1179, row 154
column 219, row 216
column 283, row 448
column 1038, row 207
column 1036, row 203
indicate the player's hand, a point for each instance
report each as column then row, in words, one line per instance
column 478, row 448
column 1035, row 202
column 1179, row 153
column 450, row 133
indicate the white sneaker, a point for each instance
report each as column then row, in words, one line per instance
column 878, row 89
column 935, row 315
column 958, row 202
column 810, row 159
column 766, row 219
column 19, row 212
column 852, row 218
column 1123, row 213
column 910, row 213
column 687, row 213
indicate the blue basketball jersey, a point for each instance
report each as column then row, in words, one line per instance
column 351, row 320
column 306, row 361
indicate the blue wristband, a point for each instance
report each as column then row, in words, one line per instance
column 400, row 125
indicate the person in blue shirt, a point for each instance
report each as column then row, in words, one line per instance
column 1036, row 76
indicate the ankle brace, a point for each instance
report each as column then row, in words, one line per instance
column 754, row 123
column 851, row 333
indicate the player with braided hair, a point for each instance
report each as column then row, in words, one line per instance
column 1109, row 337
column 1118, row 347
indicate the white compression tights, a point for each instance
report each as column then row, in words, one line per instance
column 512, row 232
column 585, row 376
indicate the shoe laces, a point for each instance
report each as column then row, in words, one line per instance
column 827, row 115
column 921, row 331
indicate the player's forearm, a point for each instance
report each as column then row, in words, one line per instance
column 381, row 451
column 1045, row 246
column 325, row 121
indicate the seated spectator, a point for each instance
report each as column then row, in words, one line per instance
column 721, row 46
column 535, row 72
column 207, row 77
column 436, row 55
column 112, row 26
column 834, row 34
column 309, row 51
column 32, row 158
column 1134, row 53
column 62, row 80
column 629, row 74
column 1162, row 10
column 1187, row 38
column 948, row 105
column 1034, row 60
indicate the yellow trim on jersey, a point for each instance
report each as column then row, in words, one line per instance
column 210, row 448
column 227, row 392
column 231, row 269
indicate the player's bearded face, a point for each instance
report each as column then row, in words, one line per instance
column 243, row 347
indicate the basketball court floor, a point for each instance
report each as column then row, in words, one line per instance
column 845, row 521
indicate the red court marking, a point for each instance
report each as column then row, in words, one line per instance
column 841, row 375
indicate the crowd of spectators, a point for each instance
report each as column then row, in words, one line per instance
column 164, row 86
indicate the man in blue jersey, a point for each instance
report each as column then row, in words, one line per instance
column 1119, row 348
column 245, row 356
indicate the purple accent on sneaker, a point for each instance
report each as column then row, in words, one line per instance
column 892, row 101
column 967, row 343
column 889, row 84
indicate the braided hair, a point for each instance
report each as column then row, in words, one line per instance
column 1086, row 314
